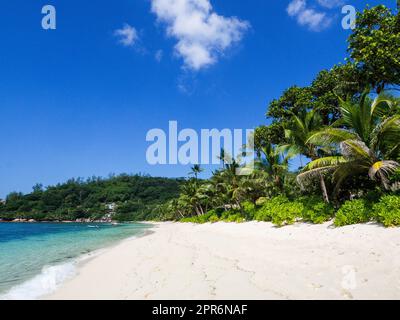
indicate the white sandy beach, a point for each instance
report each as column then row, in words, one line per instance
column 245, row 261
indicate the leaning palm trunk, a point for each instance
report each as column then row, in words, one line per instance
column 323, row 188
column 312, row 172
column 201, row 210
column 198, row 212
column 181, row 214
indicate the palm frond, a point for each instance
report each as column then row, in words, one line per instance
column 382, row 170
column 310, row 175
column 380, row 103
column 386, row 135
column 288, row 150
column 329, row 136
column 323, row 163
column 355, row 149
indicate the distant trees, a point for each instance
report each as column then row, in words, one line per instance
column 135, row 198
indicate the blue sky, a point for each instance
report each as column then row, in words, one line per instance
column 78, row 101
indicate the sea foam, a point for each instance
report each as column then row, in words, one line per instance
column 43, row 284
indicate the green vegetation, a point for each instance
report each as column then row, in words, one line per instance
column 387, row 211
column 353, row 212
column 122, row 197
column 316, row 211
column 344, row 128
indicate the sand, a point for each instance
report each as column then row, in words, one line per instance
column 245, row 261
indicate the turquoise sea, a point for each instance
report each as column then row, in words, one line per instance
column 36, row 258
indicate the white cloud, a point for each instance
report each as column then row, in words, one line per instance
column 295, row 7
column 127, row 35
column 202, row 34
column 159, row 55
column 306, row 16
column 331, row 3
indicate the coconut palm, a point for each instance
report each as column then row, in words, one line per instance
column 298, row 133
column 274, row 162
column 252, row 187
column 222, row 157
column 196, row 170
column 368, row 141
column 192, row 197
column 227, row 181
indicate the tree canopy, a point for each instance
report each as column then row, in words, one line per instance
column 127, row 197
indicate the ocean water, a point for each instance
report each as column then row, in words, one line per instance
column 36, row 258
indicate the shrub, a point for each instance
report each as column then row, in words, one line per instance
column 232, row 216
column 249, row 210
column 316, row 210
column 387, row 211
column 238, row 218
column 288, row 213
column 266, row 212
column 353, row 212
column 280, row 211
column 213, row 219
column 199, row 219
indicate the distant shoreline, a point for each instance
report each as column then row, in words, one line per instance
column 64, row 221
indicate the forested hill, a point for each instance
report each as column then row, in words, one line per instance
column 123, row 197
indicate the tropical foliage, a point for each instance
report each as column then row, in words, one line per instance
column 344, row 132
column 366, row 140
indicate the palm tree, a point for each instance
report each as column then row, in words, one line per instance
column 368, row 141
column 252, row 187
column 192, row 197
column 298, row 133
column 196, row 170
column 222, row 157
column 273, row 162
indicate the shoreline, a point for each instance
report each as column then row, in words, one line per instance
column 53, row 276
column 252, row 260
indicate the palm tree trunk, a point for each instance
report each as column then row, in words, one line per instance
column 323, row 188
